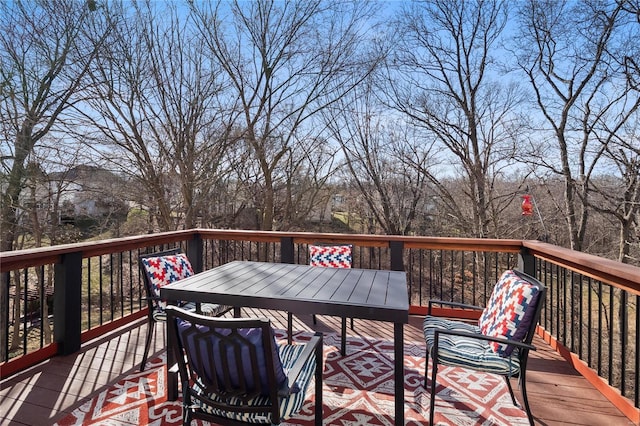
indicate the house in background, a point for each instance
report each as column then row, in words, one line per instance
column 82, row 194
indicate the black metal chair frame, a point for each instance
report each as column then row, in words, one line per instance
column 223, row 388
column 522, row 346
column 153, row 299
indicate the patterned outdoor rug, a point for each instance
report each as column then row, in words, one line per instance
column 358, row 390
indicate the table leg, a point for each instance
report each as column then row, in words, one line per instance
column 343, row 337
column 172, row 372
column 398, row 339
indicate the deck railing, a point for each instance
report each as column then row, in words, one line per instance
column 54, row 298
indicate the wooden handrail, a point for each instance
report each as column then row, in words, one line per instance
column 620, row 275
column 10, row 260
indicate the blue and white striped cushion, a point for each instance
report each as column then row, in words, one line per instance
column 208, row 309
column 460, row 351
column 289, row 405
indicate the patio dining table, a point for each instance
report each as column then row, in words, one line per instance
column 380, row 295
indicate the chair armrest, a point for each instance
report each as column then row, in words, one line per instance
column 453, row 304
column 306, row 354
column 502, row 340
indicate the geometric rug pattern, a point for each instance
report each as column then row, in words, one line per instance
column 357, row 391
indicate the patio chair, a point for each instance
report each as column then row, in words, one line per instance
column 160, row 269
column 499, row 343
column 330, row 256
column 234, row 373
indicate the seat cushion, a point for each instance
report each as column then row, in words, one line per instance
column 510, row 310
column 289, row 404
column 465, row 351
column 338, row 256
column 208, row 309
column 224, row 356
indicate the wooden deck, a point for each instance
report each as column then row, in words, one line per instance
column 41, row 395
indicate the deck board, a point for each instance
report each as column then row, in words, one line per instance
column 42, row 394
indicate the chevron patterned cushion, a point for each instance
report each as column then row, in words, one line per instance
column 163, row 270
column 338, row 256
column 509, row 311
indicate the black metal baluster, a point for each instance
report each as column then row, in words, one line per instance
column 624, row 330
column 101, row 282
column 589, row 320
column 599, row 336
column 25, row 331
column 43, row 300
column 611, row 327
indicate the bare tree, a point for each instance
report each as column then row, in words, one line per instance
column 572, row 54
column 444, row 79
column 619, row 195
column 286, row 61
column 44, row 54
column 155, row 102
column 305, row 193
column 386, row 164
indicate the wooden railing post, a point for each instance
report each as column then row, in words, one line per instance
column 397, row 252
column 527, row 262
column 195, row 252
column 67, row 303
column 286, row 250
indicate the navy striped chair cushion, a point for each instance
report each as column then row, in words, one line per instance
column 464, row 351
column 247, row 343
column 289, row 404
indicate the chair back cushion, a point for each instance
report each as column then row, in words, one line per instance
column 510, row 310
column 232, row 361
column 338, row 256
column 289, row 404
column 163, row 270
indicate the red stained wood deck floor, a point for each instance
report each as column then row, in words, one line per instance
column 558, row 395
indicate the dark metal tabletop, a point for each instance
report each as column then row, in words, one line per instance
column 356, row 293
